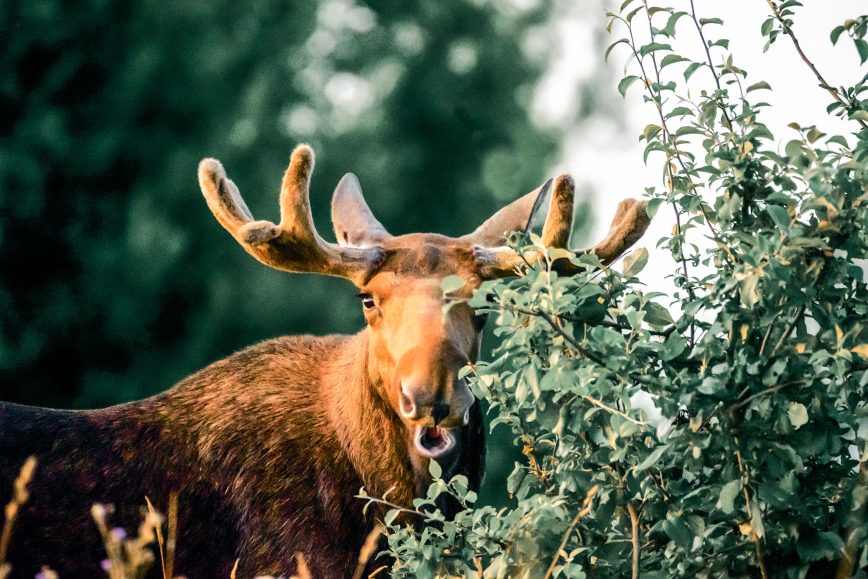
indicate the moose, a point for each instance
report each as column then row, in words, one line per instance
column 267, row 448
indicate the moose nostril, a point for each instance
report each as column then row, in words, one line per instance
column 407, row 405
column 439, row 411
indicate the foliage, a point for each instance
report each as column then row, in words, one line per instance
column 751, row 461
column 115, row 281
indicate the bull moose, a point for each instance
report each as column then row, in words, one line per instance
column 268, row 447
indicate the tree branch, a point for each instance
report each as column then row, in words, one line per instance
column 823, row 83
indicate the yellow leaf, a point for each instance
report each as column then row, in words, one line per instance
column 558, row 253
column 839, row 334
column 861, row 349
column 745, row 528
column 744, row 332
column 800, row 348
column 601, row 300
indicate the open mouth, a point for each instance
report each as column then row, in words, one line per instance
column 433, row 441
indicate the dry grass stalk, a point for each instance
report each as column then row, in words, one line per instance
column 20, row 494
column 128, row 558
column 167, row 548
column 303, row 571
column 369, row 549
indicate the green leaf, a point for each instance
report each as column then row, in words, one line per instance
column 678, row 531
column 434, row 469
column 836, row 32
column 612, row 46
column 625, row 83
column 688, row 72
column 798, row 414
column 780, row 216
column 391, row 516
column 652, row 458
column 679, row 112
column 704, row 21
column 635, row 262
column 815, row 546
column 767, row 26
column 653, row 47
column 862, row 48
column 669, row 29
column 452, row 283
column 671, row 59
column 657, row 315
column 650, row 131
column 728, row 493
column 653, row 206
column 673, row 347
column 758, row 86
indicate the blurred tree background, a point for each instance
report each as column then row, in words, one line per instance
column 116, row 281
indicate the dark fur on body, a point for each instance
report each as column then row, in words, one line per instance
column 266, row 448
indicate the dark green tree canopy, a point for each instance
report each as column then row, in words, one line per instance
column 114, row 279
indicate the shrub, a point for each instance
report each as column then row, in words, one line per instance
column 756, row 363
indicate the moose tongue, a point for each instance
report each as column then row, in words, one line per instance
column 432, row 437
column 433, row 441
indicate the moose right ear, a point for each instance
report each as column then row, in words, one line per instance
column 517, row 216
column 354, row 223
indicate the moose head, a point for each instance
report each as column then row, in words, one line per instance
column 414, row 351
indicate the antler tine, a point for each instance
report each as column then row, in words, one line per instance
column 559, row 220
column 629, row 224
column 293, row 245
column 497, row 262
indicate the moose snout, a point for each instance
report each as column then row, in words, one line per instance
column 422, row 403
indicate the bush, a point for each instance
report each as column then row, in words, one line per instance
column 756, row 363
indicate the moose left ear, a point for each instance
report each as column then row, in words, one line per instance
column 354, row 224
column 517, row 216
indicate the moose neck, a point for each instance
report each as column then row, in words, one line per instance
column 367, row 427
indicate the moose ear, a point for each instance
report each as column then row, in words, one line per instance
column 355, row 225
column 517, row 216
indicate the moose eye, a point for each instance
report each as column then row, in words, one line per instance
column 367, row 301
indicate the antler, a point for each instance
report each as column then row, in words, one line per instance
column 294, row 244
column 629, row 224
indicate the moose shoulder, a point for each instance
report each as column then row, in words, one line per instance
column 268, row 447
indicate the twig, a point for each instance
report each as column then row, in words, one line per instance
column 586, row 508
column 665, row 333
column 583, row 352
column 771, row 390
column 529, row 451
column 478, row 562
column 608, row 408
column 756, row 540
column 710, row 63
column 788, row 329
column 857, row 524
column 634, row 538
column 823, row 83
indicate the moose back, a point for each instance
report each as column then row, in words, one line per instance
column 268, row 447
